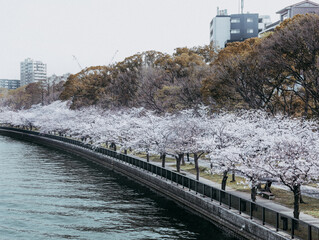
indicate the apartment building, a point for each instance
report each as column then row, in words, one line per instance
column 32, row 71
column 226, row 28
column 303, row 7
column 9, row 83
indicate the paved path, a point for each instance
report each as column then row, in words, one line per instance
column 262, row 201
column 305, row 190
column 244, row 195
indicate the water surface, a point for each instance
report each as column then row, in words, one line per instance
column 47, row 194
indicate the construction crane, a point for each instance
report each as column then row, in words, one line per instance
column 74, row 58
column 113, row 56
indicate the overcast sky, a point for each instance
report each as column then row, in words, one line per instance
column 93, row 30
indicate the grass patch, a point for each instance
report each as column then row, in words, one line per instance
column 155, row 158
column 205, row 173
column 286, row 198
column 316, row 185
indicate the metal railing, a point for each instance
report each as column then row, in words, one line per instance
column 266, row 216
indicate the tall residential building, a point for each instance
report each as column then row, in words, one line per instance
column 232, row 28
column 220, row 29
column 243, row 26
column 9, row 83
column 32, row 71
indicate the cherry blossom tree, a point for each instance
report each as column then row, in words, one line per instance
column 159, row 134
column 294, row 163
column 142, row 140
column 178, row 140
column 195, row 123
column 253, row 143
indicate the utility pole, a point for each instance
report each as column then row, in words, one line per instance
column 242, row 6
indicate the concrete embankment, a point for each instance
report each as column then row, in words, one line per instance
column 229, row 220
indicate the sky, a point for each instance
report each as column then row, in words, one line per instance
column 100, row 32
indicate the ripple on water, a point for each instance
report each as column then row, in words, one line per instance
column 46, row 194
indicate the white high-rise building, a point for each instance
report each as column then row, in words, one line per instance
column 32, row 71
column 220, row 29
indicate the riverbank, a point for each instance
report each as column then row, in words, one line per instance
column 224, row 210
column 49, row 194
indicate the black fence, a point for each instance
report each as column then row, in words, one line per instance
column 266, row 216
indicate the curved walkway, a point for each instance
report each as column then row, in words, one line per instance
column 265, row 202
column 306, row 190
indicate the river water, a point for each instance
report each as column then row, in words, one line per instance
column 47, row 194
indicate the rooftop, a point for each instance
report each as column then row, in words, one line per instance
column 300, row 4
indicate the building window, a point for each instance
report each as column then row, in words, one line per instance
column 250, row 20
column 235, row 31
column 235, row 20
column 250, row 30
column 285, row 16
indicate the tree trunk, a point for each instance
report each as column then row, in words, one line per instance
column 233, row 176
column 253, row 191
column 181, row 157
column 296, row 191
column 224, row 181
column 196, row 166
column 183, row 160
column 147, row 157
column 178, row 162
column 187, row 155
column 267, row 186
column 306, row 102
column 163, row 157
column 114, row 147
